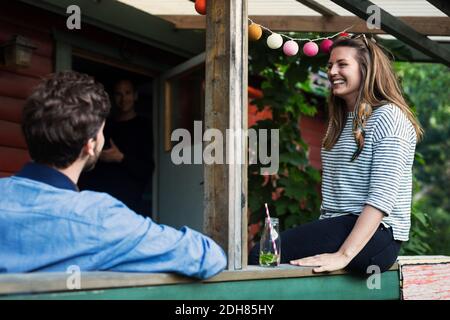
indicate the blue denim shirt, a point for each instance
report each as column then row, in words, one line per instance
column 46, row 224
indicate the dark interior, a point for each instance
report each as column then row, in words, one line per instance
column 108, row 75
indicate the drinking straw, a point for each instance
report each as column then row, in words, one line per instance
column 270, row 230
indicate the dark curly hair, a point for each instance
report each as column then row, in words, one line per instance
column 61, row 115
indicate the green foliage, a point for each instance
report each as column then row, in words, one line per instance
column 421, row 225
column 426, row 86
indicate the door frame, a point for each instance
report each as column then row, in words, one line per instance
column 66, row 48
column 165, row 118
column 190, row 64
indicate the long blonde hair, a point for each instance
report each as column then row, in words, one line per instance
column 379, row 86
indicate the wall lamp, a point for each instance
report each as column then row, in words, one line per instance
column 17, row 52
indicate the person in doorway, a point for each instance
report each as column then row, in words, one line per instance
column 367, row 159
column 47, row 224
column 126, row 163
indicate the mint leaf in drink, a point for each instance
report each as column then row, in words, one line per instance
column 268, row 259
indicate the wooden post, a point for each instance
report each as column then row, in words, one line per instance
column 226, row 108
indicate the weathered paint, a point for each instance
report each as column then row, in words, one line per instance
column 324, row 287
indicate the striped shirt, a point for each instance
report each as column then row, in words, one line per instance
column 380, row 177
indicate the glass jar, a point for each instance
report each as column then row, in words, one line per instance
column 270, row 244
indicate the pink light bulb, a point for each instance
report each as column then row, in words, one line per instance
column 290, row 48
column 310, row 49
column 325, row 45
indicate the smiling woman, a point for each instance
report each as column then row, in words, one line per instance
column 344, row 75
column 367, row 158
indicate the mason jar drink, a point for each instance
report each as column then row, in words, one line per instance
column 270, row 244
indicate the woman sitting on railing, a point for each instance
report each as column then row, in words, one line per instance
column 367, row 158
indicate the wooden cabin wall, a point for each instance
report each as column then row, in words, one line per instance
column 16, row 84
column 313, row 130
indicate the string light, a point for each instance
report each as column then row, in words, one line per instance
column 275, row 40
column 303, row 39
column 290, row 47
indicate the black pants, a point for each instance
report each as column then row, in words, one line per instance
column 327, row 236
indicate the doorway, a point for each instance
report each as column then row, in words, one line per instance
column 108, row 74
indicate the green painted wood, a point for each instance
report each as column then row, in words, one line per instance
column 66, row 40
column 63, row 56
column 345, row 287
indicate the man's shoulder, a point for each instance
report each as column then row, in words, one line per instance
column 13, row 184
column 29, row 191
column 99, row 200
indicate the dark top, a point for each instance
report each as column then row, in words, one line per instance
column 46, row 174
column 127, row 180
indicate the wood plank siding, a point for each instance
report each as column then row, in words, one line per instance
column 313, row 130
column 16, row 84
column 42, row 28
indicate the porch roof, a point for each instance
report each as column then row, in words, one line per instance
column 426, row 21
column 417, row 8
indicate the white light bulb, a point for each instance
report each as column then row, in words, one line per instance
column 274, row 41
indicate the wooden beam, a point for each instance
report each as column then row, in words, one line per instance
column 314, row 6
column 318, row 8
column 226, row 108
column 442, row 5
column 433, row 26
column 399, row 29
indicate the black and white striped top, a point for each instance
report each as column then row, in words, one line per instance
column 382, row 174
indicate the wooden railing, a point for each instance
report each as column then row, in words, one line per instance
column 424, row 277
column 165, row 285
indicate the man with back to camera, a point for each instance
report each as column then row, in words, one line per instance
column 46, row 224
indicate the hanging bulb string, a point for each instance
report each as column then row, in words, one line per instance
column 300, row 39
